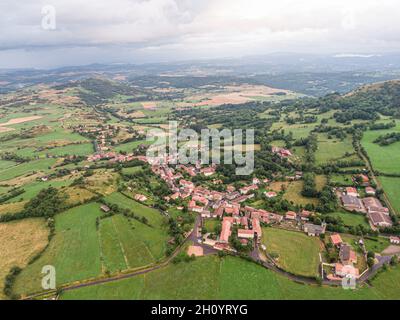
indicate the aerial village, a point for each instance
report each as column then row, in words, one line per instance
column 228, row 208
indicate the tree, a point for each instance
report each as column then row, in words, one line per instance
column 394, row 261
column 370, row 262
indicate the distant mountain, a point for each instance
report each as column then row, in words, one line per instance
column 314, row 75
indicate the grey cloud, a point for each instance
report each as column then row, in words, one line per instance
column 168, row 29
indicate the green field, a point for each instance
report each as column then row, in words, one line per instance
column 130, row 146
column 332, row 149
column 113, row 255
column 227, row 279
column 293, row 194
column 6, row 164
column 384, row 159
column 351, row 219
column 32, row 189
column 342, row 179
column 376, row 244
column 154, row 216
column 131, row 170
column 128, row 244
column 74, row 250
column 26, row 168
column 392, row 190
column 297, row 253
column 82, row 149
column 210, row 224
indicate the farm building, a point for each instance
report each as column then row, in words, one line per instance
column 314, row 230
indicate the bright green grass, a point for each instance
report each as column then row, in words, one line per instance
column 141, row 244
column 298, row 130
column 82, row 149
column 6, row 164
column 298, row 253
column 27, row 147
column 130, row 146
column 32, row 189
column 376, row 244
column 59, row 134
column 293, row 194
column 351, row 219
column 228, row 279
column 130, row 289
column 392, row 190
column 154, row 216
column 332, row 149
column 384, row 159
column 26, row 168
column 4, row 189
column 74, row 251
column 342, row 179
column 210, row 224
column 112, row 251
column 131, row 170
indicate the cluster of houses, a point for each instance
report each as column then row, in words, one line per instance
column 111, row 156
column 102, row 133
column 347, row 260
column 225, row 206
column 378, row 215
column 282, row 152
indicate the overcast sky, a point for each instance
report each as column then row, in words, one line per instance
column 137, row 31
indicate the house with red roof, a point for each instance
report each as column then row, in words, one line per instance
column 370, row 191
column 247, row 189
column 246, row 234
column 270, row 194
column 290, row 215
column 282, row 152
column 208, row 171
column 350, row 191
column 140, row 197
column 226, row 231
column 346, row 270
column 256, row 227
column 336, row 240
column 305, row 215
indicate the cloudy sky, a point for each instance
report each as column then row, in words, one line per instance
column 138, row 31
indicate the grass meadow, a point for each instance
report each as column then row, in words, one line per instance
column 228, row 279
column 285, row 244
column 385, row 159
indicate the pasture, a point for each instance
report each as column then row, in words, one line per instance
column 392, row 190
column 332, row 149
column 385, row 159
column 20, row 241
column 296, row 252
column 293, row 194
column 351, row 219
column 152, row 215
column 74, row 250
column 42, row 165
column 127, row 243
column 228, row 279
